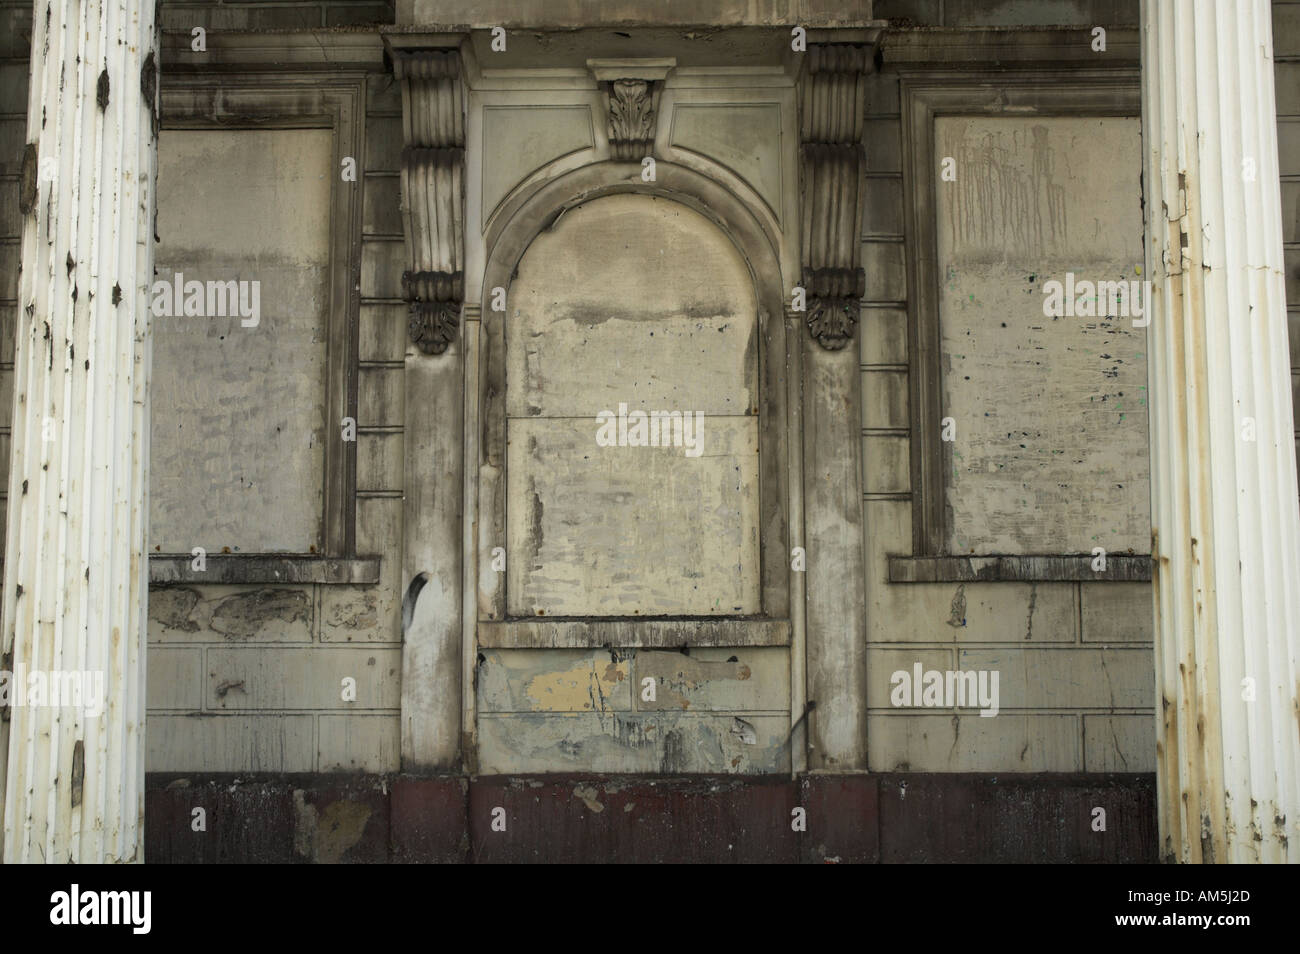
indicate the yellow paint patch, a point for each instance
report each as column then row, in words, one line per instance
column 574, row 690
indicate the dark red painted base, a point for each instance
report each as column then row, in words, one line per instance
column 552, row 818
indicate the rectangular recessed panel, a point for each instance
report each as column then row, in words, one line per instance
column 1047, row 448
column 238, row 408
column 631, row 418
column 625, row 530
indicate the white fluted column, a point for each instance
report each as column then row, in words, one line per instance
column 75, row 570
column 1226, row 536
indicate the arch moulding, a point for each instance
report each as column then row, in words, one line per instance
column 523, row 219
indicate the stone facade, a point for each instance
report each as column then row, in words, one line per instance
column 467, row 582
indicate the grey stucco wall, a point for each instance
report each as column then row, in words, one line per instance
column 250, row 677
column 245, row 678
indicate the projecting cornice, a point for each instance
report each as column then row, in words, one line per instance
column 577, row 56
column 620, row 14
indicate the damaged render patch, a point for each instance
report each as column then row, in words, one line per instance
column 324, row 837
column 173, row 606
column 361, row 613
column 245, row 614
column 957, row 616
column 745, row 731
column 579, row 688
column 587, row 795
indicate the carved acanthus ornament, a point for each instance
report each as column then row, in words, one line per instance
column 631, row 88
column 433, row 194
column 631, row 118
column 833, row 162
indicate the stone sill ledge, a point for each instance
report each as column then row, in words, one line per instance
column 263, row 568
column 631, row 633
column 1019, row 569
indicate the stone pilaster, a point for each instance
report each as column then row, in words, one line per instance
column 832, row 164
column 433, row 201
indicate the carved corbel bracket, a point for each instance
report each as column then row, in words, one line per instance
column 432, row 325
column 631, row 88
column 833, row 296
column 433, row 193
column 832, row 165
column 434, row 311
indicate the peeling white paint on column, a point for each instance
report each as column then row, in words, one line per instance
column 75, row 571
column 1226, row 538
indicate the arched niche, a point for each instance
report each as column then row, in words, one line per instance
column 631, row 420
column 657, row 297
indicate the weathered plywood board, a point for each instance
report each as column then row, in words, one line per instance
column 237, row 446
column 605, row 681
column 631, row 632
column 175, row 678
column 631, row 299
column 1050, row 450
column 883, row 663
column 622, row 531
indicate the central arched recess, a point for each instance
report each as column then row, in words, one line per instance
column 632, row 417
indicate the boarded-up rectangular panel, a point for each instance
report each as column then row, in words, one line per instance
column 598, row 530
column 237, row 452
column 1050, row 447
column 636, row 301
column 631, row 417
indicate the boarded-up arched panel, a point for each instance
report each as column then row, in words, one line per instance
column 632, row 305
